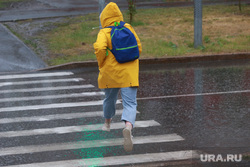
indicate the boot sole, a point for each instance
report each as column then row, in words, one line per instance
column 128, row 143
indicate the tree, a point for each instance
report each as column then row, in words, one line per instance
column 240, row 5
column 131, row 9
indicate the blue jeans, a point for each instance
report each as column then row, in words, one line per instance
column 128, row 100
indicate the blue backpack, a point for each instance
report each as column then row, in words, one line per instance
column 124, row 44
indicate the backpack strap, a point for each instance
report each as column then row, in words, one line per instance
column 122, row 23
column 116, row 24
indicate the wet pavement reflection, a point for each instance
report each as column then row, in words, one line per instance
column 207, row 104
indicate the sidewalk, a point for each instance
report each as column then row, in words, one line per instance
column 15, row 55
column 170, row 60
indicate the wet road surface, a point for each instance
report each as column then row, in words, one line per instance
column 53, row 118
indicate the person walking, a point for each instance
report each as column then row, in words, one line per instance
column 115, row 77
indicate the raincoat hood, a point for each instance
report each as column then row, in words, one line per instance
column 110, row 14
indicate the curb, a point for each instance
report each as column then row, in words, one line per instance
column 199, row 58
column 170, row 60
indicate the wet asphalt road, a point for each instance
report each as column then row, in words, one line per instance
column 204, row 107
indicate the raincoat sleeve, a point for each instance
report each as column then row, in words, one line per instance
column 138, row 42
column 100, row 47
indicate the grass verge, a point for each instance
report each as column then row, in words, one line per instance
column 164, row 32
column 6, row 3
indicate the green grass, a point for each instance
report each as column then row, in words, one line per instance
column 6, row 3
column 164, row 32
column 73, row 42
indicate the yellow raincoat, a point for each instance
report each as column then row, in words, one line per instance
column 111, row 73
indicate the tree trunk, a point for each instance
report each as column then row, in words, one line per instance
column 240, row 5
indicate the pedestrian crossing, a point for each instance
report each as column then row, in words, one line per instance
column 70, row 129
column 35, row 75
column 53, row 105
column 55, row 117
column 41, row 81
column 83, row 94
column 54, row 127
column 89, row 144
column 119, row 160
column 47, row 89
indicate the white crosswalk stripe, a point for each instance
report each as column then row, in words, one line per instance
column 47, row 89
column 55, row 117
column 71, row 129
column 120, row 160
column 51, row 106
column 89, row 144
column 35, row 75
column 42, row 119
column 60, row 96
column 40, row 81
